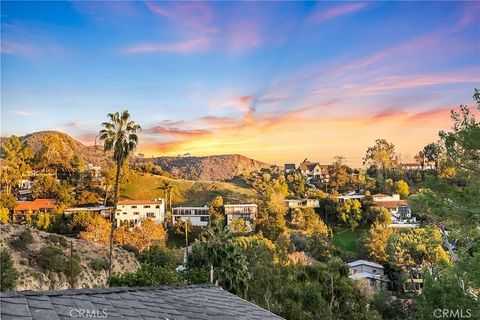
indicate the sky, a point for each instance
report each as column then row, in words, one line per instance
column 275, row 81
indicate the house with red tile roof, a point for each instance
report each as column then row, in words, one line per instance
column 35, row 206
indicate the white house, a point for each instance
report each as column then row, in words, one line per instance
column 370, row 272
column 302, row 203
column 401, row 212
column 198, row 216
column 131, row 212
column 247, row 212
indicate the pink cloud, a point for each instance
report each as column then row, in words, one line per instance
column 182, row 47
column 341, row 10
column 243, row 35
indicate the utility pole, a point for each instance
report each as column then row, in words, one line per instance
column 71, row 265
column 186, row 239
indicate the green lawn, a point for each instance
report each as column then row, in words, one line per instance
column 185, row 192
column 349, row 241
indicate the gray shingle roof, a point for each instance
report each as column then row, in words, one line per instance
column 164, row 302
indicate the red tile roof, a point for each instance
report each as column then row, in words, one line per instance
column 392, row 204
column 37, row 204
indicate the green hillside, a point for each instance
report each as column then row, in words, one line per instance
column 185, row 192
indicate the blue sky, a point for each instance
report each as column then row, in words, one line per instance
column 277, row 81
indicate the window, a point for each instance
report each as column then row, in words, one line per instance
column 157, row 206
column 136, row 213
column 124, row 212
column 354, row 271
column 150, row 214
column 374, row 271
column 134, row 207
column 146, row 207
column 204, row 219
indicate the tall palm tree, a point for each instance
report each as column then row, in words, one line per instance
column 120, row 135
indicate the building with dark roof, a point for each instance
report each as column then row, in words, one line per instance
column 164, row 302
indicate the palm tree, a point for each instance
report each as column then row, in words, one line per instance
column 167, row 188
column 120, row 135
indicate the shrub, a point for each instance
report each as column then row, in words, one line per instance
column 8, row 273
column 196, row 275
column 147, row 276
column 58, row 240
column 161, row 257
column 51, row 258
column 24, row 239
column 99, row 264
column 130, row 248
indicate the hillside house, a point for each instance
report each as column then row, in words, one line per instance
column 310, row 170
column 289, row 167
column 302, row 203
column 351, row 196
column 372, row 273
column 198, row 216
column 101, row 210
column 132, row 212
column 36, row 206
column 401, row 212
column 247, row 212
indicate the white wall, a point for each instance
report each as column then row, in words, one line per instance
column 139, row 211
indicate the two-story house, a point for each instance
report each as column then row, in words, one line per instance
column 370, row 272
column 302, row 203
column 399, row 209
column 246, row 211
column 198, row 216
column 132, row 212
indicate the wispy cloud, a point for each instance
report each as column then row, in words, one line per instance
column 321, row 15
column 24, row 113
column 182, row 47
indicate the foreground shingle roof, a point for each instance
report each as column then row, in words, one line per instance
column 165, row 302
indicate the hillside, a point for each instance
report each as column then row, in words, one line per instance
column 209, row 168
column 34, row 277
column 91, row 154
column 185, row 192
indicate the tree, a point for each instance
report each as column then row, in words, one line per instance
column 97, row 231
column 87, row 198
column 350, row 213
column 401, row 187
column 432, row 152
column 56, row 153
column 219, row 250
column 46, row 187
column 119, row 135
column 8, row 202
column 376, row 242
column 238, row 225
column 381, row 155
column 17, row 156
column 416, row 248
column 339, row 177
column 8, row 273
column 216, row 209
column 148, row 233
column 4, row 215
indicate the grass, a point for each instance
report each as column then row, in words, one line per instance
column 349, row 241
column 185, row 192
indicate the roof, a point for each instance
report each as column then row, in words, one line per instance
column 307, row 165
column 290, row 166
column 391, row 204
column 139, row 202
column 364, row 262
column 36, row 204
column 241, row 205
column 94, row 208
column 164, row 302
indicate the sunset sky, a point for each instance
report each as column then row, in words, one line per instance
column 275, row 81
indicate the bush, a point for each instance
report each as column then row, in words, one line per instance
column 58, row 240
column 8, row 273
column 52, row 259
column 130, row 248
column 161, row 257
column 147, row 276
column 196, row 275
column 24, row 239
column 99, row 264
